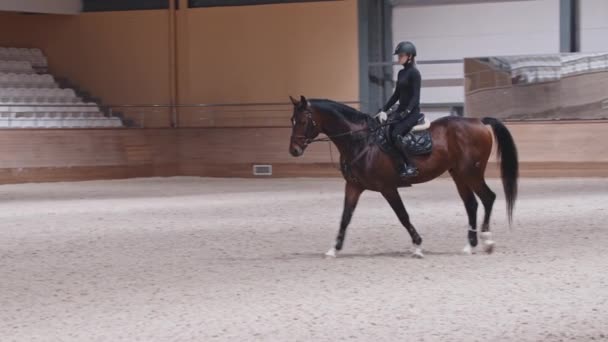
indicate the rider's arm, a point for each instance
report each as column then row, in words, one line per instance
column 391, row 101
column 416, row 81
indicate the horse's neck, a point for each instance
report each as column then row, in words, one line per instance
column 347, row 144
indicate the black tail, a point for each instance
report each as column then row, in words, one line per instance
column 506, row 153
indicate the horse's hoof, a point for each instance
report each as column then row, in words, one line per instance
column 417, row 254
column 331, row 253
column 468, row 250
column 488, row 246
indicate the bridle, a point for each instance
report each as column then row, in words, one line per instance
column 311, row 124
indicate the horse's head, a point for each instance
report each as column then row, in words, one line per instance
column 304, row 127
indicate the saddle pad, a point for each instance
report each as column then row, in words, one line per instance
column 418, row 143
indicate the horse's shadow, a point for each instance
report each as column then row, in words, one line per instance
column 390, row 254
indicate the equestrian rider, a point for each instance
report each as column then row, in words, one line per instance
column 407, row 114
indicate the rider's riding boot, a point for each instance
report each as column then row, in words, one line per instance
column 403, row 168
column 407, row 168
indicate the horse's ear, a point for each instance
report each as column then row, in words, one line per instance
column 294, row 101
column 303, row 100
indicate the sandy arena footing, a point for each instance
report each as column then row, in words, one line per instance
column 196, row 259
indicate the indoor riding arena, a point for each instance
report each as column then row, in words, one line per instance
column 159, row 184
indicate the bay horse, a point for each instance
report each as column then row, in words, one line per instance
column 461, row 146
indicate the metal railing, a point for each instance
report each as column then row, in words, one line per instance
column 421, row 62
column 69, row 115
column 382, row 81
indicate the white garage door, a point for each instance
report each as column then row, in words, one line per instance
column 453, row 32
column 594, row 25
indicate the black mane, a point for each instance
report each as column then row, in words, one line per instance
column 348, row 113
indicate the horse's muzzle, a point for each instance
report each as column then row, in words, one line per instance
column 296, row 150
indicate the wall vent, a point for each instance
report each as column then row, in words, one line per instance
column 262, row 170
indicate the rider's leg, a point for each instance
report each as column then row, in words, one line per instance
column 402, row 128
column 398, row 157
column 396, row 151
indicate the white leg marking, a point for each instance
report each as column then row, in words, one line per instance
column 488, row 243
column 468, row 249
column 331, row 253
column 417, row 252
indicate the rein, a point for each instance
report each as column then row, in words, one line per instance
column 308, row 141
column 310, row 123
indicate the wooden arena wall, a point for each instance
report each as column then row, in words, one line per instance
column 565, row 149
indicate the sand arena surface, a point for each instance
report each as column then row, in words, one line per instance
column 195, row 259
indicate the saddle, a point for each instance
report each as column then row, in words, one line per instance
column 417, row 142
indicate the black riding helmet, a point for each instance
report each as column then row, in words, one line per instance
column 407, row 48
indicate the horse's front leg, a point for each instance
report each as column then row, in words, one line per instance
column 393, row 198
column 351, row 197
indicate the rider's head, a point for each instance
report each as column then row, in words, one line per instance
column 406, row 51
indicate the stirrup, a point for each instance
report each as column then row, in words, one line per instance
column 408, row 171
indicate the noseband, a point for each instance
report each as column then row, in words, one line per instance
column 310, row 124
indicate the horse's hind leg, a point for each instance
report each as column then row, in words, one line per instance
column 393, row 198
column 351, row 198
column 470, row 204
column 487, row 197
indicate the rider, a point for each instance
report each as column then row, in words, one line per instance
column 407, row 114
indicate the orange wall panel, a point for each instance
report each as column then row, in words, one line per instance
column 232, row 54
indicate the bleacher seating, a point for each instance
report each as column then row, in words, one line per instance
column 546, row 68
column 57, row 120
column 36, row 95
column 48, row 107
column 22, row 67
column 32, row 100
column 12, row 80
column 33, row 56
column 573, row 64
